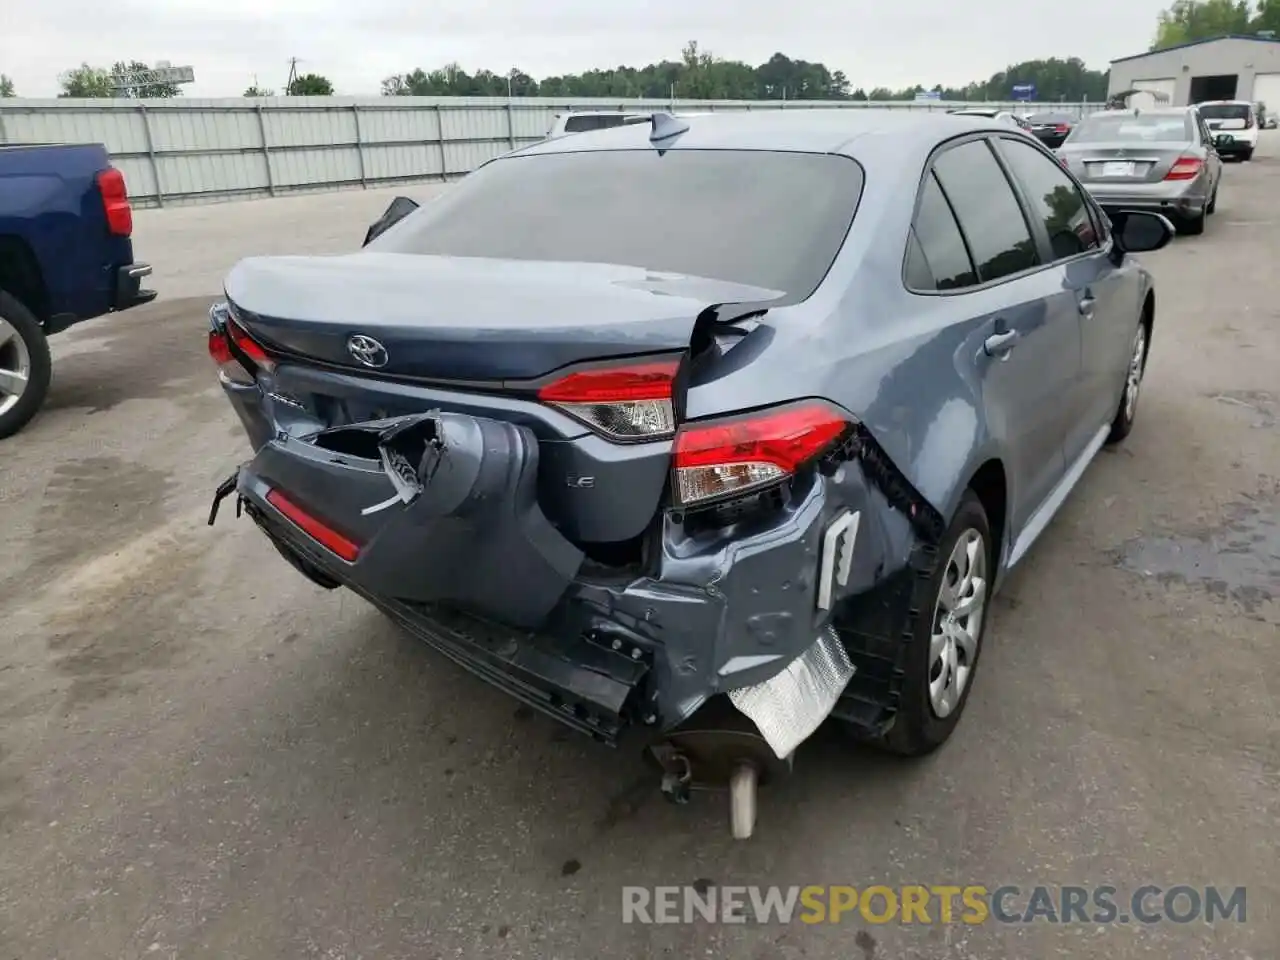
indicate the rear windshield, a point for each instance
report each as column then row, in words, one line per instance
column 769, row 219
column 1051, row 118
column 1123, row 127
column 1225, row 111
column 583, row 122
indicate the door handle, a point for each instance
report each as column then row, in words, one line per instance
column 1000, row 344
column 1086, row 304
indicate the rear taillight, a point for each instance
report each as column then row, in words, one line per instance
column 623, row 402
column 1062, row 128
column 1184, row 168
column 115, row 201
column 239, row 358
column 726, row 458
column 315, row 528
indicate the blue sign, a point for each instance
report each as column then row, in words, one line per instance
column 1024, row 91
column 929, row 95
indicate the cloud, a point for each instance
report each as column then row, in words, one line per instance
column 230, row 42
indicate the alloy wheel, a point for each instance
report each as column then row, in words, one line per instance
column 1133, row 381
column 15, row 366
column 957, row 623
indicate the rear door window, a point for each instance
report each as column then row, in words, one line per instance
column 1054, row 198
column 987, row 209
column 937, row 258
column 769, row 219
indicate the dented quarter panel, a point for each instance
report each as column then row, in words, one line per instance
column 731, row 609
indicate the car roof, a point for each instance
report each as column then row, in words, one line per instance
column 1225, row 103
column 799, row 130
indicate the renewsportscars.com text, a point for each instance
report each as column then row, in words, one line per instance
column 921, row 904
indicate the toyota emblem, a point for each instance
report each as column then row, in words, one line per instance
column 367, row 351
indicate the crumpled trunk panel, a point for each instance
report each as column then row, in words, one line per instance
column 443, row 506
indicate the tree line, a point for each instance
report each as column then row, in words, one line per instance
column 700, row 75
column 1189, row 20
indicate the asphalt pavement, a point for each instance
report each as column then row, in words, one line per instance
column 202, row 755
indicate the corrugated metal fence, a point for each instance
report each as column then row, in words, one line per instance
column 198, row 151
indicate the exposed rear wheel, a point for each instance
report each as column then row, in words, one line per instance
column 1213, row 202
column 25, row 365
column 1128, row 410
column 1192, row 226
column 946, row 638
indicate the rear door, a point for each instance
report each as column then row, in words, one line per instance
column 1093, row 292
column 1031, row 353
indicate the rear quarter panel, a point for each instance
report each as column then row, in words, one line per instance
column 902, row 364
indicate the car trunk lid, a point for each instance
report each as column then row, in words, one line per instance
column 1136, row 162
column 463, row 319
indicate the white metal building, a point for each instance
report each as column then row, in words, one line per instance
column 1234, row 67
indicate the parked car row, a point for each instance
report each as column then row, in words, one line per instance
column 1167, row 160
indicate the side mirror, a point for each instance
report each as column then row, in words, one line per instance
column 1223, row 140
column 1137, row 231
column 398, row 209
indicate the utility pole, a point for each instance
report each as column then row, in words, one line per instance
column 293, row 75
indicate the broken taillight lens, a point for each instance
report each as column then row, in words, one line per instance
column 1184, row 168
column 725, row 458
column 623, row 402
column 238, row 356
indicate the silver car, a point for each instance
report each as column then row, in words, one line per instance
column 1161, row 160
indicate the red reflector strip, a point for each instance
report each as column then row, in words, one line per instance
column 326, row 536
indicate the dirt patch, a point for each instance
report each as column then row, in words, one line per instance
column 1238, row 559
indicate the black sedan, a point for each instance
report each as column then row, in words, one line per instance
column 1052, row 128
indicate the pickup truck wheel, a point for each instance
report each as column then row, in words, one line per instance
column 946, row 637
column 25, row 365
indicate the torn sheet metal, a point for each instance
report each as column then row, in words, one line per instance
column 790, row 706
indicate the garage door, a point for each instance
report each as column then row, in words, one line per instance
column 1266, row 87
column 1162, row 90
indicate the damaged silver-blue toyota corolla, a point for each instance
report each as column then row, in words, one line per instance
column 699, row 434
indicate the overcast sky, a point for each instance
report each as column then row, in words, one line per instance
column 357, row 44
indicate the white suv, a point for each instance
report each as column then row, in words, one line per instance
column 1237, row 119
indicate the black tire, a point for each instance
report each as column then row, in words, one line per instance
column 24, row 324
column 917, row 729
column 1246, row 156
column 1122, row 424
column 1192, row 226
column 1213, row 203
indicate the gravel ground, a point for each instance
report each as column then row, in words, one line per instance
column 201, row 755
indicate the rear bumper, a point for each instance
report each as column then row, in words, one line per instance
column 1189, row 203
column 711, row 613
column 129, row 291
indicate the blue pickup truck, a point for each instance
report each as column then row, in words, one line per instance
column 65, row 256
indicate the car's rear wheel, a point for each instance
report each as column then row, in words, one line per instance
column 25, row 365
column 946, row 636
column 1213, row 202
column 1128, row 410
column 1247, row 156
column 1192, row 226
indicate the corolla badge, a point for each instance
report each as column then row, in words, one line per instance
column 367, row 351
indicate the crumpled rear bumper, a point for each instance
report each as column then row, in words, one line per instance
column 469, row 565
